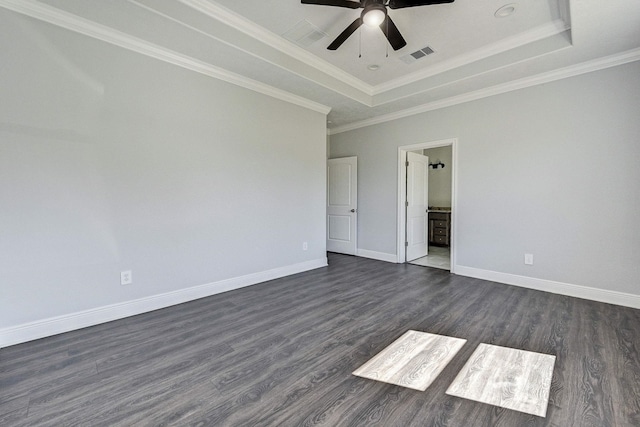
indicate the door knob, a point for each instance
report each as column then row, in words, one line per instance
column 353, row 210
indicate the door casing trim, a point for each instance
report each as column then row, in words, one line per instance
column 402, row 189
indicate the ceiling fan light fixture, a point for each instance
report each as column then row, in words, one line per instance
column 374, row 15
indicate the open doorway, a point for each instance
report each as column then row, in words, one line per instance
column 439, row 214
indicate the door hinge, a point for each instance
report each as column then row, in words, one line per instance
column 406, row 203
column 406, row 243
column 407, row 163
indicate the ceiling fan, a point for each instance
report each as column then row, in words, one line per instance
column 374, row 15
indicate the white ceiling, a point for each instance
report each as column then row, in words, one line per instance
column 451, row 30
column 476, row 53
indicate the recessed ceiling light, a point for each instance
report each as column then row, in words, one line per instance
column 505, row 10
column 373, row 67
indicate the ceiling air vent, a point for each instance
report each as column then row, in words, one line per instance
column 418, row 54
column 304, row 34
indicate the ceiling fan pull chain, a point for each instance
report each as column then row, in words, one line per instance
column 360, row 43
column 386, row 23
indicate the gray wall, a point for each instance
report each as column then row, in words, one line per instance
column 550, row 170
column 111, row 161
column 440, row 178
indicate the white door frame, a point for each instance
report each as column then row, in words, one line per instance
column 402, row 190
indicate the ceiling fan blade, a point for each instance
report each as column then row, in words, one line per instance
column 398, row 4
column 338, row 3
column 345, row 34
column 392, row 34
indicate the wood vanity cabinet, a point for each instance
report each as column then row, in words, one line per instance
column 440, row 228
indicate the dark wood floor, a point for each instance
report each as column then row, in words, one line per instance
column 281, row 354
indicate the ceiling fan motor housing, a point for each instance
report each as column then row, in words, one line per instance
column 369, row 3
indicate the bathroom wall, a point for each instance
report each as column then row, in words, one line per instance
column 440, row 178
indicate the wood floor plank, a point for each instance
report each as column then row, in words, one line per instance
column 626, row 362
column 13, row 408
column 50, row 375
column 281, row 353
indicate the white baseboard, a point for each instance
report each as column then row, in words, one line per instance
column 69, row 322
column 594, row 294
column 380, row 256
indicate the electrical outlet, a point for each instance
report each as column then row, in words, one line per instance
column 528, row 259
column 126, row 278
column 305, row 246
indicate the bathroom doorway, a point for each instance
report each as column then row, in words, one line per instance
column 439, row 232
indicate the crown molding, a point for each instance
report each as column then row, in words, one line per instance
column 257, row 32
column 97, row 31
column 541, row 32
column 550, row 76
column 265, row 36
column 215, row 11
column 359, row 96
column 49, row 14
column 240, row 23
column 466, row 78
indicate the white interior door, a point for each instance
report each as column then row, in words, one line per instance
column 417, row 205
column 342, row 199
